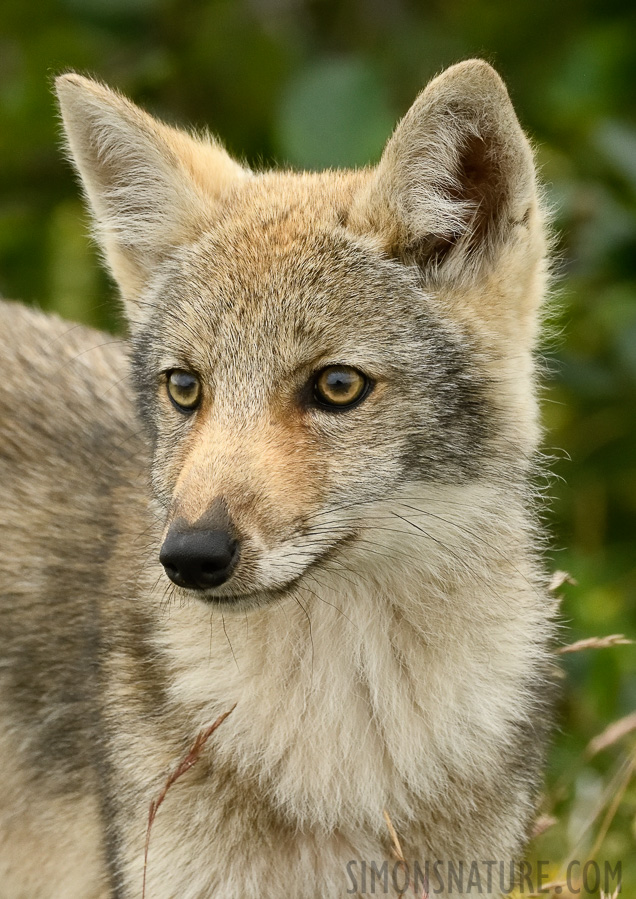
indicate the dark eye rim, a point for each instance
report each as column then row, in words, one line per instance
column 185, row 410
column 338, row 408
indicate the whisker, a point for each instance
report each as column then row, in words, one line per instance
column 230, row 642
column 311, row 636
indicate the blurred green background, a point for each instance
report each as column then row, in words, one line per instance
column 322, row 83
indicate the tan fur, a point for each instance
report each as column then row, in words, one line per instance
column 200, row 172
column 40, row 832
column 385, row 635
column 220, row 464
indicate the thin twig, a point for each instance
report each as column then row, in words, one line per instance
column 613, row 808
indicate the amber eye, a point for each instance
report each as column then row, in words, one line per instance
column 184, row 389
column 340, row 386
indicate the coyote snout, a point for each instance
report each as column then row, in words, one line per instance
column 199, row 557
column 234, row 527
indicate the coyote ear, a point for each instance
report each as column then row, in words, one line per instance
column 151, row 187
column 455, row 178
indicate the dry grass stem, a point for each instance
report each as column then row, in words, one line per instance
column 612, row 734
column 397, row 850
column 184, row 765
column 559, row 578
column 614, row 895
column 596, row 643
column 542, row 824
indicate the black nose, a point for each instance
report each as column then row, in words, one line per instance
column 199, row 559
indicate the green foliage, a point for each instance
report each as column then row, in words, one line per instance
column 320, row 83
column 335, row 113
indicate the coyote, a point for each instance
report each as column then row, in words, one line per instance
column 302, row 489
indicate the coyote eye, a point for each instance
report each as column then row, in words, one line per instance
column 340, row 386
column 184, row 389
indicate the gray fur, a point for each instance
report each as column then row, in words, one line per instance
column 386, row 634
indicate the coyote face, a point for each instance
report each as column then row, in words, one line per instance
column 324, row 382
column 303, row 320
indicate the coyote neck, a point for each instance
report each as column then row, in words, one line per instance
column 341, row 683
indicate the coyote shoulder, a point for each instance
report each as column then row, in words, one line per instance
column 303, row 487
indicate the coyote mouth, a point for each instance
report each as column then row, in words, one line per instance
column 258, row 596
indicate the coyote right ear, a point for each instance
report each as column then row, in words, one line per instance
column 455, row 178
column 151, row 187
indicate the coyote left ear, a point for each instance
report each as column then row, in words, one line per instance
column 456, row 178
column 151, row 187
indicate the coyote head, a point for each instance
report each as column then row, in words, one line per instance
column 316, row 354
